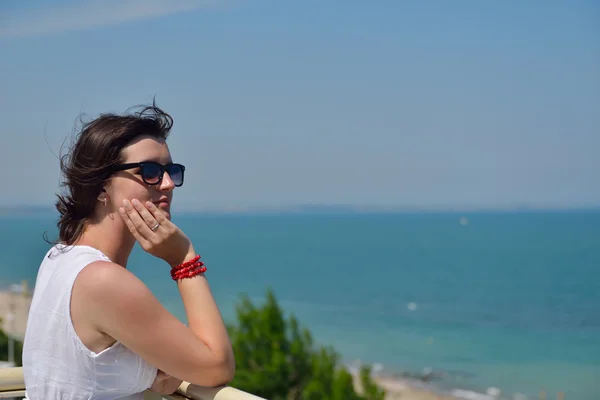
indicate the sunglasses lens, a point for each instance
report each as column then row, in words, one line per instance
column 176, row 173
column 151, row 173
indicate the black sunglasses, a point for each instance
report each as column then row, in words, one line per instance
column 152, row 172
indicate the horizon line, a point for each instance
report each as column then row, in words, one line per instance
column 328, row 208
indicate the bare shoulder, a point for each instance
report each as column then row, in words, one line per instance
column 119, row 304
column 93, row 283
column 102, row 278
column 106, row 287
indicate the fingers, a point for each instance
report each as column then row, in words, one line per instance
column 157, row 213
column 134, row 223
column 140, row 225
column 162, row 374
column 148, row 218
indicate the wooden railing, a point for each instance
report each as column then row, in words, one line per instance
column 12, row 385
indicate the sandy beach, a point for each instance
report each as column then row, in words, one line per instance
column 15, row 305
column 401, row 389
column 397, row 389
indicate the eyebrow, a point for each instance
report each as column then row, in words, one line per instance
column 170, row 161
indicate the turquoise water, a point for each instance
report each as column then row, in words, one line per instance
column 511, row 300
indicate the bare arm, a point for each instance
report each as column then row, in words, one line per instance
column 204, row 318
column 125, row 309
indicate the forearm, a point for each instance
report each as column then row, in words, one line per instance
column 204, row 318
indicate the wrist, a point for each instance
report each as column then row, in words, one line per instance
column 188, row 269
column 188, row 256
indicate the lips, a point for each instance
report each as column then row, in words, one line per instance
column 163, row 202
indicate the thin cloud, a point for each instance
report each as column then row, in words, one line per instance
column 90, row 14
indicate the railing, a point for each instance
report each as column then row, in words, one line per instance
column 12, row 385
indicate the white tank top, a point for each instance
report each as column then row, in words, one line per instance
column 56, row 364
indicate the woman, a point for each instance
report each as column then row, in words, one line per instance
column 95, row 331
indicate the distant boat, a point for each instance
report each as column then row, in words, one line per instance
column 464, row 221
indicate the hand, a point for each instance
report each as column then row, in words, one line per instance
column 165, row 384
column 167, row 241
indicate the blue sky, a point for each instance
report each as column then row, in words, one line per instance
column 409, row 104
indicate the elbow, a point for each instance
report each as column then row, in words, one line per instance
column 226, row 376
column 227, row 367
column 225, row 372
column 219, row 374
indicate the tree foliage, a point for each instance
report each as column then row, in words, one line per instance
column 277, row 359
column 4, row 349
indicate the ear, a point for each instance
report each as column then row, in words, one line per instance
column 103, row 196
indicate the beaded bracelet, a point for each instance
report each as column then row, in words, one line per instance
column 188, row 269
column 193, row 269
column 188, row 274
column 187, row 263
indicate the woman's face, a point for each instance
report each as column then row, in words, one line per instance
column 129, row 184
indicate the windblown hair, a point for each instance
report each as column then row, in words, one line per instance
column 89, row 163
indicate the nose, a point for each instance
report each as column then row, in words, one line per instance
column 166, row 185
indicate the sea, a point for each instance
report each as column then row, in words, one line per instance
column 505, row 300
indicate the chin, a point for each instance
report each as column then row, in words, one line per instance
column 166, row 210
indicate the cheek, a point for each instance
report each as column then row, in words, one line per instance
column 128, row 190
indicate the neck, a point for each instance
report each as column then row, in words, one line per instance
column 111, row 236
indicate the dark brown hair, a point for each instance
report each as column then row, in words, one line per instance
column 89, row 162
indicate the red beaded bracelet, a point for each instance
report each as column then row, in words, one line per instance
column 188, row 269
column 192, row 268
column 187, row 263
column 188, row 274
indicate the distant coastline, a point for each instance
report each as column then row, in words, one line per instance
column 18, row 211
column 45, row 210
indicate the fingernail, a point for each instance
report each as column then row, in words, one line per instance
column 136, row 203
column 149, row 204
column 121, row 210
column 125, row 202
